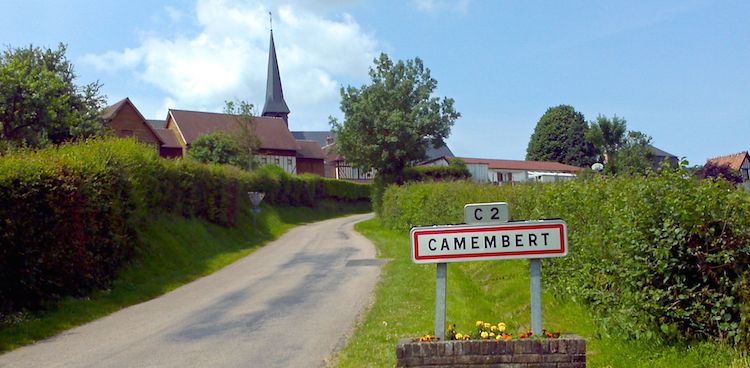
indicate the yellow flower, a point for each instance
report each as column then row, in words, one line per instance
column 501, row 327
column 493, row 328
column 485, row 335
column 498, row 337
column 480, row 323
column 487, row 325
column 467, row 337
column 459, row 336
column 492, row 334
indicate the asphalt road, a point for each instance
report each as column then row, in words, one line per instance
column 289, row 304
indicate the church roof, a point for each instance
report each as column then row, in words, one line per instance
column 275, row 103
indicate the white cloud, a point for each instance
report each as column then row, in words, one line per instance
column 226, row 58
column 436, row 6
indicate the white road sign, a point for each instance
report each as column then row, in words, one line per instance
column 461, row 243
column 486, row 213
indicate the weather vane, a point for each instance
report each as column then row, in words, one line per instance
column 270, row 20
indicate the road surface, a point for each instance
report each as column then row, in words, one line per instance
column 289, row 304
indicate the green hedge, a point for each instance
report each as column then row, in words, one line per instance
column 68, row 215
column 665, row 255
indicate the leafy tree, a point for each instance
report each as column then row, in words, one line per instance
column 246, row 138
column 389, row 124
column 40, row 102
column 634, row 156
column 560, row 136
column 607, row 136
column 712, row 170
column 219, row 148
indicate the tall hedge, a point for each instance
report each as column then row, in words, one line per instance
column 68, row 215
column 665, row 255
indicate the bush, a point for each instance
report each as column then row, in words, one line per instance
column 664, row 255
column 68, row 215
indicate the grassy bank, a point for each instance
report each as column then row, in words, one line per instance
column 172, row 251
column 494, row 291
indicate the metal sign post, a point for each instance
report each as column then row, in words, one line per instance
column 487, row 235
column 440, row 292
column 535, row 265
column 255, row 199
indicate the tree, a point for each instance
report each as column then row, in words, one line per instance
column 246, row 138
column 712, row 170
column 560, row 136
column 607, row 136
column 219, row 148
column 634, row 156
column 389, row 124
column 39, row 101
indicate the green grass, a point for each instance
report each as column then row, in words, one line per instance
column 493, row 291
column 173, row 251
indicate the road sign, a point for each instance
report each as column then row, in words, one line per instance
column 461, row 243
column 486, row 213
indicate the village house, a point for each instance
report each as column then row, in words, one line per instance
column 503, row 172
column 739, row 162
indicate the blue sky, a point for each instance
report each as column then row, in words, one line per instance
column 677, row 70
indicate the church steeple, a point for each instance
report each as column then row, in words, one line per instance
column 275, row 105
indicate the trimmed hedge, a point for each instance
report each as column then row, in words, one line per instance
column 661, row 256
column 68, row 215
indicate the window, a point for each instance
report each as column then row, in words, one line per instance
column 264, row 160
column 289, row 162
column 276, row 160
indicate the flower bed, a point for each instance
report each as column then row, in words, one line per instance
column 565, row 352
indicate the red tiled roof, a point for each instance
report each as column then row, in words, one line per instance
column 523, row 165
column 331, row 154
column 310, row 149
column 734, row 161
column 168, row 137
column 272, row 132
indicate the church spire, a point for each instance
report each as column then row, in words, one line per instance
column 275, row 105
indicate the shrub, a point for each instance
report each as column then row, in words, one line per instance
column 663, row 255
column 68, row 215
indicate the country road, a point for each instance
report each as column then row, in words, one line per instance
column 289, row 304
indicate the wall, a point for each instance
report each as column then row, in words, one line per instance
column 128, row 123
column 288, row 163
column 310, row 166
column 568, row 352
column 479, row 172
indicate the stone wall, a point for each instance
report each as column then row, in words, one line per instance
column 566, row 352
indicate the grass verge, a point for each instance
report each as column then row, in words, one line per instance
column 493, row 291
column 173, row 252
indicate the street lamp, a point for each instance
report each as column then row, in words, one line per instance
column 255, row 199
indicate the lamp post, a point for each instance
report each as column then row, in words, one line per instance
column 255, row 199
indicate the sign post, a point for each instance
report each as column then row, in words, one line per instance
column 441, row 287
column 487, row 235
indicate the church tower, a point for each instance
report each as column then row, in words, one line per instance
column 275, row 105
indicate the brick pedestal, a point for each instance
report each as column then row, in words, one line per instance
column 566, row 352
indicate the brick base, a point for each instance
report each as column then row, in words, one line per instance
column 566, row 352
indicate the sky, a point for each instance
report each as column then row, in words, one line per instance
column 678, row 71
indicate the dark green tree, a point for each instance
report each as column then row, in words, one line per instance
column 219, row 148
column 40, row 102
column 389, row 124
column 560, row 136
